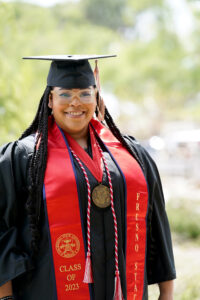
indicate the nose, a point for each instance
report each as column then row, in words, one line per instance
column 75, row 101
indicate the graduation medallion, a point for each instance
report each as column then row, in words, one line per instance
column 101, row 196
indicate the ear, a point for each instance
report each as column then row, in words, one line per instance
column 50, row 103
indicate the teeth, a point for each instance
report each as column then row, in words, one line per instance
column 75, row 113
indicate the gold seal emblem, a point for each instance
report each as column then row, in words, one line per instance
column 67, row 245
column 101, row 196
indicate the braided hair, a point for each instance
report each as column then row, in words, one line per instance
column 37, row 165
column 116, row 132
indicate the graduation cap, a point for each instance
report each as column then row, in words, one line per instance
column 71, row 71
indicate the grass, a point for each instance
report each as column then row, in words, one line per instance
column 184, row 220
column 187, row 290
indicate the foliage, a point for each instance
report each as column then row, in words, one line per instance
column 109, row 13
column 184, row 220
column 191, row 291
column 186, row 289
column 158, row 65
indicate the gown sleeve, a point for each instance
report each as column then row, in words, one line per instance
column 13, row 165
column 160, row 259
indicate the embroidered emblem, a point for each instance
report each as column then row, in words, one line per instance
column 67, row 245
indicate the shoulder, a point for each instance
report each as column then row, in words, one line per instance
column 27, row 144
column 141, row 151
column 135, row 144
column 150, row 167
column 17, row 149
column 14, row 160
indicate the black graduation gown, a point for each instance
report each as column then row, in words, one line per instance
column 36, row 281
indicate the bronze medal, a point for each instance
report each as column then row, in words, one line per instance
column 101, row 196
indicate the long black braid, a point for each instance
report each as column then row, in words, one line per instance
column 37, row 167
column 116, row 132
column 38, row 162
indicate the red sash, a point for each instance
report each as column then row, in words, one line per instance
column 62, row 202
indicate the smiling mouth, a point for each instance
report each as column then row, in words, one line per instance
column 75, row 113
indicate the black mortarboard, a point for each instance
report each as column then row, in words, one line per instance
column 70, row 71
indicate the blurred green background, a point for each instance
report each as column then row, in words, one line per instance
column 151, row 89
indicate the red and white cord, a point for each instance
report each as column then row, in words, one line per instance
column 112, row 208
column 118, row 290
column 88, row 278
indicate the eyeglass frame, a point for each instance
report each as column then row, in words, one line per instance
column 68, row 101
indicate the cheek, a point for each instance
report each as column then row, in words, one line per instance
column 92, row 108
column 59, row 108
column 91, row 112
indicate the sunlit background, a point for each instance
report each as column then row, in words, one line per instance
column 152, row 89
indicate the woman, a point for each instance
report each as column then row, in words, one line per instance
column 82, row 208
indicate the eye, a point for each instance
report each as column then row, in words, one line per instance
column 85, row 94
column 66, row 95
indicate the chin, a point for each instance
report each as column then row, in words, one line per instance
column 74, row 129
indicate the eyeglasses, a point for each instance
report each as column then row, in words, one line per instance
column 84, row 96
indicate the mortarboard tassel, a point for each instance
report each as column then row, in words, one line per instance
column 118, row 289
column 96, row 75
column 88, row 278
column 100, row 102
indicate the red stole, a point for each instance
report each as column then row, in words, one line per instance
column 62, row 203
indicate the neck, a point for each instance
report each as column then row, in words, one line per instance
column 81, row 137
